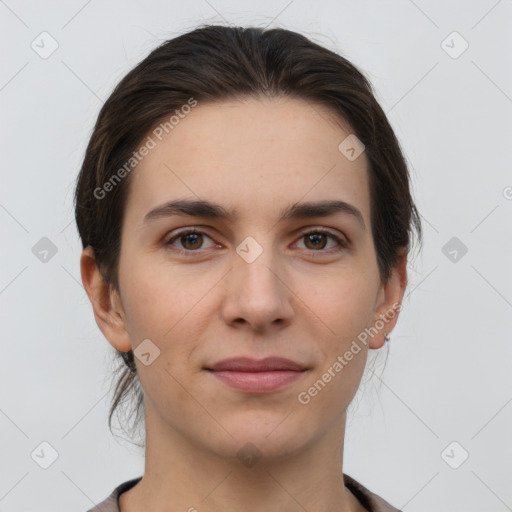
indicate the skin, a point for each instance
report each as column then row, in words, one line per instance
column 201, row 307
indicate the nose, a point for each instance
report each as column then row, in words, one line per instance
column 257, row 295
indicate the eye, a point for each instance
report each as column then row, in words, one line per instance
column 191, row 240
column 316, row 240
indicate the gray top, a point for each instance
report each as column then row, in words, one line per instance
column 368, row 499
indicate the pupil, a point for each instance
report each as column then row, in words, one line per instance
column 195, row 237
column 315, row 237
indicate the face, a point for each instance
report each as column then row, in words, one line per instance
column 255, row 284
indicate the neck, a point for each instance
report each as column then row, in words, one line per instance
column 182, row 476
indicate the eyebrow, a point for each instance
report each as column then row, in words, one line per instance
column 296, row 211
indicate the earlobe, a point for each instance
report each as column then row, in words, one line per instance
column 107, row 310
column 390, row 304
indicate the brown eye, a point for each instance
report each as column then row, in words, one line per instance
column 194, row 239
column 317, row 240
column 190, row 240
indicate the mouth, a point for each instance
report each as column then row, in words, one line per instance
column 257, row 376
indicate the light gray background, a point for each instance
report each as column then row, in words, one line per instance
column 448, row 372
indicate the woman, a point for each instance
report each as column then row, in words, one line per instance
column 246, row 218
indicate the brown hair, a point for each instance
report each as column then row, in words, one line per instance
column 214, row 63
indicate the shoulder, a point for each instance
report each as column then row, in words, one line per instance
column 111, row 502
column 368, row 499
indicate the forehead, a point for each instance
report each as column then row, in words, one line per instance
column 250, row 155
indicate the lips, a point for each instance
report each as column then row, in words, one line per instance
column 257, row 376
column 246, row 364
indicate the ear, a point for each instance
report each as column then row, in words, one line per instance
column 106, row 303
column 389, row 301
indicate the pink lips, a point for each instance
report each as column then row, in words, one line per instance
column 257, row 376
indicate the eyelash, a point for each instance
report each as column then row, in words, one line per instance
column 341, row 243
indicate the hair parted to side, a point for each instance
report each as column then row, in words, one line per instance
column 215, row 63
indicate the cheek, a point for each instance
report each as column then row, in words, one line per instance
column 346, row 308
column 344, row 301
column 155, row 298
column 169, row 308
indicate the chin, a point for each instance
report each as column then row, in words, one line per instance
column 258, row 437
